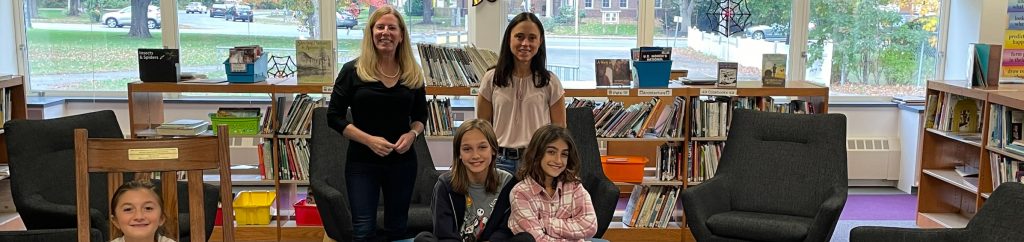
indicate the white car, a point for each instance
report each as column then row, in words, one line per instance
column 124, row 17
column 195, row 7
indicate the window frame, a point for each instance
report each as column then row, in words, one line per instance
column 606, row 3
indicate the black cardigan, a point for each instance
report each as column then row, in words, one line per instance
column 450, row 207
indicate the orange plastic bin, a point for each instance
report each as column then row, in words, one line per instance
column 624, row 168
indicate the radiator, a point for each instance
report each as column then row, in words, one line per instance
column 873, row 158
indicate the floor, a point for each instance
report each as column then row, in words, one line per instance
column 875, row 206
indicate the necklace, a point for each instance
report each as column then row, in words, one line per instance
column 399, row 71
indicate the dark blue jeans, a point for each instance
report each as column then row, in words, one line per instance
column 365, row 182
column 508, row 163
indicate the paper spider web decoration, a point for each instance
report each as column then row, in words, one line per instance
column 731, row 16
column 281, row 66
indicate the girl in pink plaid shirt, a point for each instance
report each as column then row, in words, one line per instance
column 550, row 202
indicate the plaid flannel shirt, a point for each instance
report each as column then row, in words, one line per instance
column 566, row 215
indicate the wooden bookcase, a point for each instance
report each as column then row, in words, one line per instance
column 146, row 105
column 146, row 110
column 945, row 198
column 14, row 86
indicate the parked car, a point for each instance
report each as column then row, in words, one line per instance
column 123, row 17
column 195, row 7
column 218, row 9
column 774, row 32
column 238, row 12
column 346, row 20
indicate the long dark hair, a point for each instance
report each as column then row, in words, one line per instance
column 531, row 162
column 460, row 173
column 507, row 62
column 140, row 185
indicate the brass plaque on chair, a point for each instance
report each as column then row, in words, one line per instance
column 153, row 154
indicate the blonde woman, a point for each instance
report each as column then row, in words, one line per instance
column 384, row 89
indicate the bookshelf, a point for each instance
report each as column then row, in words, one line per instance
column 813, row 94
column 146, row 111
column 12, row 100
column 946, row 199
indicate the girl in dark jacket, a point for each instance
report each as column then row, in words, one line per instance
column 471, row 201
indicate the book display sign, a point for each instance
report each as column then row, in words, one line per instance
column 613, row 72
column 315, row 61
column 1012, row 64
column 727, row 72
column 159, row 65
column 773, row 68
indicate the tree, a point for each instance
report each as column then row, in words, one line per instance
column 428, row 11
column 140, row 19
column 74, row 7
column 306, row 14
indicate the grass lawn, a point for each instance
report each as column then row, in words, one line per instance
column 59, row 51
column 595, row 29
column 56, row 15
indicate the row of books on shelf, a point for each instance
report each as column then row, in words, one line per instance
column 1005, row 128
column 5, row 106
column 953, row 113
column 1006, row 169
column 651, row 206
column 293, row 159
column 669, row 156
column 440, row 121
column 455, row 66
column 615, row 120
column 300, row 114
column 703, row 160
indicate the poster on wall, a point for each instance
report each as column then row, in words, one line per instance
column 1012, row 64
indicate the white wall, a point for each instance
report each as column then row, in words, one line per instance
column 972, row 21
column 8, row 49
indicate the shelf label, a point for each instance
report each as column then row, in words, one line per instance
column 473, row 91
column 618, row 92
column 327, row 89
column 153, row 154
column 718, row 92
column 653, row 92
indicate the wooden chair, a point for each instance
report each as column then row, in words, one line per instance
column 167, row 156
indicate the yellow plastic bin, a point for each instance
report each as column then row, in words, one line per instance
column 253, row 207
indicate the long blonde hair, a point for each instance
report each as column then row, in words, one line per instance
column 412, row 76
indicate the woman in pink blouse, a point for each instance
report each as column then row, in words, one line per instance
column 550, row 202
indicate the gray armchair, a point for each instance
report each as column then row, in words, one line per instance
column 327, row 153
column 603, row 193
column 998, row 220
column 42, row 165
column 781, row 177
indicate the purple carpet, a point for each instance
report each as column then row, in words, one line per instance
column 880, row 207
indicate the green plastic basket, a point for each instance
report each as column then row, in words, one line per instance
column 239, row 126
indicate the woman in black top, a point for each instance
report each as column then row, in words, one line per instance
column 384, row 89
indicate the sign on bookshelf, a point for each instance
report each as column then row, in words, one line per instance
column 717, row 92
column 473, row 91
column 654, row 92
column 327, row 89
column 618, row 92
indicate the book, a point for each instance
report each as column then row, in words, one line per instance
column 183, row 127
column 773, row 67
column 159, row 65
column 982, row 68
column 727, row 72
column 315, row 61
column 612, row 72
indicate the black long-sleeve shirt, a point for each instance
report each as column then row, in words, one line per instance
column 377, row 110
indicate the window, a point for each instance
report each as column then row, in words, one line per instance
column 90, row 52
column 623, row 4
column 862, row 48
column 606, row 3
column 588, row 3
column 572, row 48
column 657, row 3
column 699, row 41
column 207, row 36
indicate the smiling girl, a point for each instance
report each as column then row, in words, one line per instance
column 550, row 202
column 137, row 211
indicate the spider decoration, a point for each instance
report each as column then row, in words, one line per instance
column 281, row 66
column 731, row 16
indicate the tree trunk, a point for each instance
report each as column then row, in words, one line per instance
column 428, row 11
column 139, row 20
column 685, row 11
column 33, row 8
column 74, row 7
